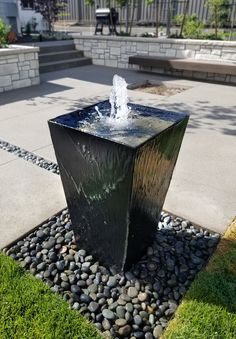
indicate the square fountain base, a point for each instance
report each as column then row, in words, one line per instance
column 116, row 182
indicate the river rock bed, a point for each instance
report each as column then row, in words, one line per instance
column 29, row 156
column 136, row 304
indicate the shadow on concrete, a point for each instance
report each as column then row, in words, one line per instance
column 207, row 116
column 29, row 93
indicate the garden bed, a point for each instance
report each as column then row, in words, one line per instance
column 209, row 308
column 158, row 88
column 137, row 303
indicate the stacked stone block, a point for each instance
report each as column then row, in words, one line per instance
column 19, row 67
column 115, row 52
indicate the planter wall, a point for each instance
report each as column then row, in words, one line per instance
column 116, row 182
column 115, row 51
column 19, row 67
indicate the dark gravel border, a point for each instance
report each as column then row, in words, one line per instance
column 29, row 156
column 136, row 304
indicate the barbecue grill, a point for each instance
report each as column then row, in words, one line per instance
column 106, row 16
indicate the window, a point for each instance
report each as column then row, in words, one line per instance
column 27, row 4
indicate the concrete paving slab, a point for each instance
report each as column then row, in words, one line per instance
column 47, row 153
column 29, row 195
column 203, row 184
column 203, row 187
column 6, row 157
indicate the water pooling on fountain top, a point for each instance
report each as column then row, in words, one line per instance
column 120, row 121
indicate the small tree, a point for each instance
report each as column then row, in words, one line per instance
column 219, row 12
column 50, row 10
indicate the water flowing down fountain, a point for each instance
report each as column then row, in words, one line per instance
column 116, row 161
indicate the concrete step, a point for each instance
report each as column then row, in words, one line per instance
column 57, row 56
column 57, row 65
column 57, row 48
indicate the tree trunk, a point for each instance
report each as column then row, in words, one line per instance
column 49, row 16
column 232, row 20
column 184, row 17
column 127, row 18
column 216, row 21
column 168, row 25
column 157, row 17
column 132, row 17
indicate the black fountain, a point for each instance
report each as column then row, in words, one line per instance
column 116, row 163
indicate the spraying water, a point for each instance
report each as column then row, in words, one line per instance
column 119, row 99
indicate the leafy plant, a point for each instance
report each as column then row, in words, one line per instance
column 4, row 30
column 11, row 37
column 219, row 13
column 192, row 27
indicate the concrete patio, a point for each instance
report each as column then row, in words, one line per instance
column 203, row 185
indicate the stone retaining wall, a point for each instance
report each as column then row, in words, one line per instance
column 115, row 51
column 19, row 67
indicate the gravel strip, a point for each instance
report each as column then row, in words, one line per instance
column 136, row 304
column 28, row 156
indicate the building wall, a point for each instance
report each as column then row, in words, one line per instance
column 27, row 15
column 9, row 13
column 115, row 52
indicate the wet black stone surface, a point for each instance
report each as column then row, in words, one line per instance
column 116, row 178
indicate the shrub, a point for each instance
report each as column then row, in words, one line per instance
column 192, row 26
column 4, row 30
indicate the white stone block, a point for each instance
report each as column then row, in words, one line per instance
column 11, row 60
column 31, row 73
column 154, row 47
column 193, row 47
column 21, row 57
column 8, row 69
column 165, row 46
column 205, row 51
column 142, row 46
column 15, row 77
column 34, row 64
column 111, row 63
column 115, row 50
column 99, row 62
column 112, row 43
column 24, row 74
column 35, row 81
column 21, row 83
column 29, row 56
column 25, row 68
column 216, row 52
column 171, row 53
column 5, row 80
column 229, row 56
column 102, row 44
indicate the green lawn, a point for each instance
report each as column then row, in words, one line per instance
column 29, row 309
column 208, row 311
